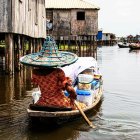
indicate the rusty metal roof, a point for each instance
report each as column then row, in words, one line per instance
column 69, row 4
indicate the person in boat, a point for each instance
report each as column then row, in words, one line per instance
column 51, row 79
column 52, row 83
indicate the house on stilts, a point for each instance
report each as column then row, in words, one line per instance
column 22, row 29
column 72, row 21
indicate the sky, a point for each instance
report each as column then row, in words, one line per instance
column 121, row 17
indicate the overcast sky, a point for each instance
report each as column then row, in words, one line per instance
column 121, row 17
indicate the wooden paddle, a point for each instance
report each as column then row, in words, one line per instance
column 84, row 116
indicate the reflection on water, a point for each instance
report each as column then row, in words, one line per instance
column 14, row 87
column 13, row 104
column 55, row 133
column 117, row 117
column 134, row 51
column 120, row 68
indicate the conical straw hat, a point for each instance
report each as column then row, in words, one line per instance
column 49, row 56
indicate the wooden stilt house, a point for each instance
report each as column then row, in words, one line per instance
column 22, row 26
column 71, row 17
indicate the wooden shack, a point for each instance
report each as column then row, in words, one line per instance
column 22, row 22
column 67, row 18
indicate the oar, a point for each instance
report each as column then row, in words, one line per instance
column 84, row 116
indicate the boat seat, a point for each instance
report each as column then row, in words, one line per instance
column 49, row 108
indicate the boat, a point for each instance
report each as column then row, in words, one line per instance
column 59, row 116
column 123, row 45
column 134, row 46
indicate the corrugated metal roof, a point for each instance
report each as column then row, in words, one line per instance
column 69, row 4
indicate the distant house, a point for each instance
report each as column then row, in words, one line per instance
column 71, row 17
column 107, row 38
column 131, row 38
column 138, row 38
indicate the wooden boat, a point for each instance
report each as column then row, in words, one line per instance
column 134, row 46
column 123, row 45
column 58, row 116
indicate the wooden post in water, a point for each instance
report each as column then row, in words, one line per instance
column 33, row 45
column 17, row 53
column 9, row 54
column 40, row 44
column 30, row 46
column 37, row 45
column 20, row 50
column 90, row 44
column 94, row 47
column 23, row 45
column 79, row 44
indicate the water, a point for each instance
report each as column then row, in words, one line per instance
column 121, row 107
column 117, row 118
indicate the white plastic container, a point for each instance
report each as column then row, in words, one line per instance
column 85, row 78
column 85, row 97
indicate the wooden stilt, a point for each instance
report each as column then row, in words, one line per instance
column 79, row 45
column 94, row 48
column 17, row 53
column 30, row 46
column 23, row 45
column 40, row 44
column 37, row 45
column 33, row 45
column 20, row 50
column 90, row 44
column 9, row 54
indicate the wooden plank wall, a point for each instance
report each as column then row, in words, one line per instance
column 89, row 26
column 4, row 10
column 30, row 19
column 27, row 17
column 61, row 22
column 65, row 22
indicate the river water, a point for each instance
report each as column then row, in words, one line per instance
column 117, row 117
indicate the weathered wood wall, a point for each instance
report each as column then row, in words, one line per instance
column 65, row 22
column 5, row 18
column 25, row 17
column 61, row 22
column 21, row 21
column 89, row 26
